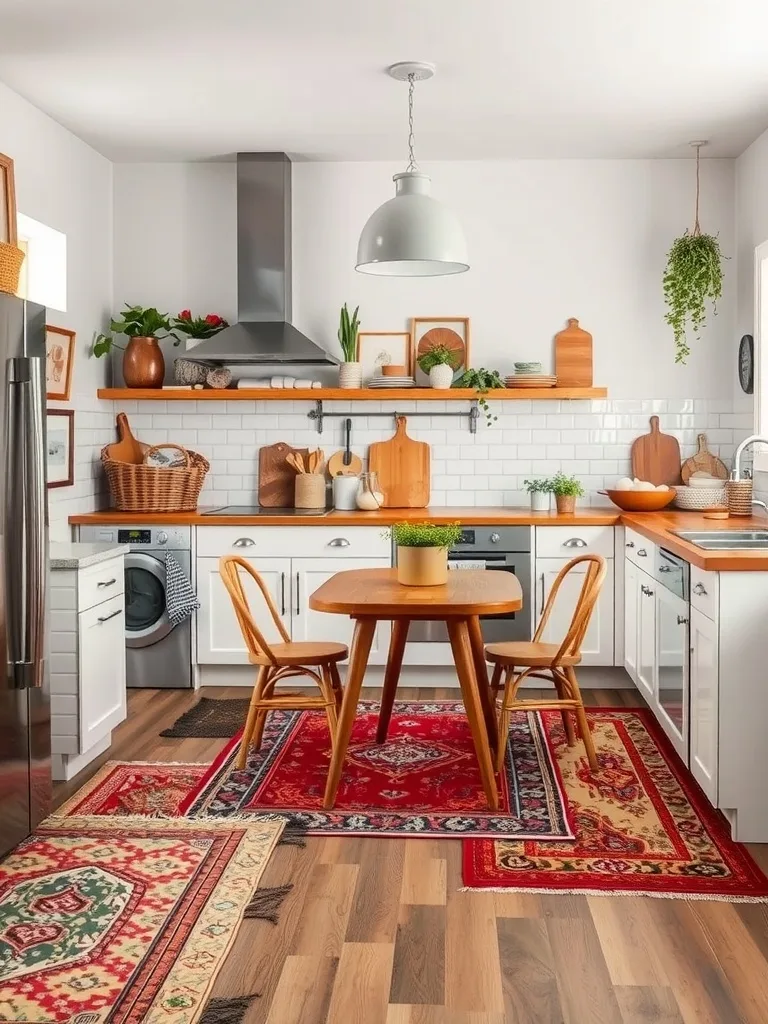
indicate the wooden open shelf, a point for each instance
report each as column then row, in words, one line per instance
column 342, row 394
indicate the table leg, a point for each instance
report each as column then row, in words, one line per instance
column 358, row 662
column 392, row 675
column 481, row 671
column 462, row 655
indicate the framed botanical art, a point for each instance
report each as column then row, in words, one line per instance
column 60, row 447
column 7, row 201
column 451, row 332
column 59, row 357
column 376, row 349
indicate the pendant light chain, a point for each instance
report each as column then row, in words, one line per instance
column 412, row 165
column 696, row 228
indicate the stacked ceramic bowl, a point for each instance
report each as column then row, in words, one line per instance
column 702, row 492
column 529, row 375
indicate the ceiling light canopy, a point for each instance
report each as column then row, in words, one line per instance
column 412, row 235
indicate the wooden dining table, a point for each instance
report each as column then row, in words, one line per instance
column 372, row 595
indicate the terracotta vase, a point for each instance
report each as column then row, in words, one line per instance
column 143, row 364
column 566, row 503
column 422, row 567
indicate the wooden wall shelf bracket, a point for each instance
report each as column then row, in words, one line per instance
column 318, row 414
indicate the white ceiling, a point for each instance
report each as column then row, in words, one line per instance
column 184, row 79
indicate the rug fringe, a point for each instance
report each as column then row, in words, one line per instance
column 266, row 903
column 713, row 898
column 227, row 1011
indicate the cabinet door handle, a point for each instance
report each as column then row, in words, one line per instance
column 243, row 542
column 106, row 583
column 298, row 604
column 282, row 593
column 642, row 553
column 338, row 542
column 665, row 568
column 630, row 544
column 543, row 588
column 575, row 542
column 646, row 590
column 106, row 618
column 682, row 620
column 700, row 589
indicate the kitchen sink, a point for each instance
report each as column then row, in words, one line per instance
column 726, row 540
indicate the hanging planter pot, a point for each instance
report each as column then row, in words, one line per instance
column 693, row 277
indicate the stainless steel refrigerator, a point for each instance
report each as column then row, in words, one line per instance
column 25, row 719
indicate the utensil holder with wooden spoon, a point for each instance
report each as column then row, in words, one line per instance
column 310, row 490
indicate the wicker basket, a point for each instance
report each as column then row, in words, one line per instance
column 11, row 260
column 140, row 488
column 739, row 494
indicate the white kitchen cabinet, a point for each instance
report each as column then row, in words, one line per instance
column 597, row 647
column 704, row 737
column 646, row 636
column 631, row 607
column 101, row 632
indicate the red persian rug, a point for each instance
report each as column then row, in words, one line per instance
column 424, row 781
column 122, row 919
column 643, row 826
column 132, row 787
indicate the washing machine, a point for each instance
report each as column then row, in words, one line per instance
column 157, row 653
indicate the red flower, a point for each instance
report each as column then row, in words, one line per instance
column 185, row 315
column 214, row 319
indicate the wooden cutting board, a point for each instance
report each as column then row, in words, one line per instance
column 656, row 457
column 402, row 465
column 127, row 449
column 704, row 462
column 277, row 480
column 573, row 356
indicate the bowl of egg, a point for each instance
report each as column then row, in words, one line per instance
column 640, row 495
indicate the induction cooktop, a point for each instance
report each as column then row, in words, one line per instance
column 258, row 510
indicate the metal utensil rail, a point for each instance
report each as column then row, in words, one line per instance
column 318, row 414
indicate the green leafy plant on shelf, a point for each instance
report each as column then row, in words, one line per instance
column 135, row 322
column 198, row 326
column 349, row 327
column 425, row 535
column 538, row 486
column 439, row 355
column 482, row 381
column 566, row 486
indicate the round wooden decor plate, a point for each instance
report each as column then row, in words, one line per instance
column 443, row 336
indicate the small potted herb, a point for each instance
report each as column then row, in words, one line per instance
column 422, row 552
column 143, row 362
column 566, row 490
column 438, row 362
column 539, row 491
column 350, row 371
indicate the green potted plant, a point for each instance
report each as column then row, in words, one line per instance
column 350, row 371
column 437, row 363
column 143, row 362
column 566, row 490
column 482, row 381
column 422, row 552
column 539, row 491
column 184, row 325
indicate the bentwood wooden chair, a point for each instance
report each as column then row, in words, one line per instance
column 279, row 661
column 521, row 661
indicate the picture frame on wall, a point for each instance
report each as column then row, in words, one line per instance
column 430, row 331
column 383, row 348
column 8, row 232
column 59, row 359
column 60, row 447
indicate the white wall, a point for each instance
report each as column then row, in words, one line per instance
column 65, row 184
column 547, row 240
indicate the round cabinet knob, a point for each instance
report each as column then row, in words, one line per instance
column 495, row 538
column 162, row 537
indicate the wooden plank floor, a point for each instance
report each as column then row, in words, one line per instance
column 375, row 931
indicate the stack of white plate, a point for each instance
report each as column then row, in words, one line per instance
column 392, row 382
column 526, row 369
column 530, row 380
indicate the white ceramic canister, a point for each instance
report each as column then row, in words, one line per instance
column 345, row 493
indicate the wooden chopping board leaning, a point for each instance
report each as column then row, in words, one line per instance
column 402, row 466
column 656, row 457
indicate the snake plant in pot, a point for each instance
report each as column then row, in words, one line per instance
column 350, row 371
column 422, row 552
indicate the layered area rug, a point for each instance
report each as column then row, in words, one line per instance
column 124, row 919
column 219, row 718
column 153, row 789
column 424, row 781
column 643, row 827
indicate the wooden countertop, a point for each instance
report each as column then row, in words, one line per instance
column 659, row 526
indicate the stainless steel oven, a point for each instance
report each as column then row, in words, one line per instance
column 672, row 646
column 493, row 549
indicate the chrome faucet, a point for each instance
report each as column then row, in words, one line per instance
column 746, row 443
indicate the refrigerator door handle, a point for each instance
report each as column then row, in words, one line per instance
column 24, row 523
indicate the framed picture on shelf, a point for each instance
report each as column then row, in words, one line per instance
column 428, row 332
column 60, row 447
column 59, row 357
column 7, row 201
column 383, row 348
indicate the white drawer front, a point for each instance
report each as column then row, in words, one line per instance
column 639, row 550
column 97, row 583
column 293, row 541
column 570, row 541
column 704, row 586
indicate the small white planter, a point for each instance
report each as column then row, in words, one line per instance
column 441, row 377
column 540, row 501
column 350, row 375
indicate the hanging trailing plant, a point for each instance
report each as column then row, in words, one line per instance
column 693, row 277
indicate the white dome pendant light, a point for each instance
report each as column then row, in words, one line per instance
column 412, row 235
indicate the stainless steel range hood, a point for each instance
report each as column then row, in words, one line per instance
column 263, row 333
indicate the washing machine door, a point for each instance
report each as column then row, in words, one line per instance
column 146, row 615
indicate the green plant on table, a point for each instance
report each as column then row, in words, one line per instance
column 538, row 486
column 134, row 322
column 566, row 486
column 439, row 355
column 426, row 535
column 349, row 327
column 482, row 381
